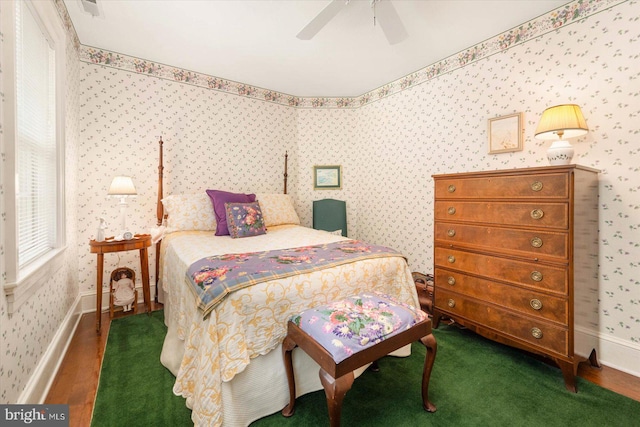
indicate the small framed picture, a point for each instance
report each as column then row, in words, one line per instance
column 505, row 134
column 327, row 177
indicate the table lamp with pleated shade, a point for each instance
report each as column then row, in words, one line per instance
column 556, row 123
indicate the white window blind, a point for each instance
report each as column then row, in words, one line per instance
column 36, row 180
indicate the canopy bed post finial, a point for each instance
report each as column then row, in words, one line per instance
column 286, row 156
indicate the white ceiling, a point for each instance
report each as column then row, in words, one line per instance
column 254, row 42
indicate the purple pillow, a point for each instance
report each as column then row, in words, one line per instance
column 245, row 219
column 219, row 198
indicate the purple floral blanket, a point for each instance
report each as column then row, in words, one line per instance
column 213, row 278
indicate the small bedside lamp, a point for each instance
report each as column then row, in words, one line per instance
column 557, row 122
column 122, row 186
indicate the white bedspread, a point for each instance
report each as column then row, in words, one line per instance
column 252, row 322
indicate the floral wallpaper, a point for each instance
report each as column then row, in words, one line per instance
column 212, row 140
column 26, row 334
column 325, row 137
column 557, row 18
column 227, row 135
column 440, row 126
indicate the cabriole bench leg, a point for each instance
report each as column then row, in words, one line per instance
column 430, row 343
column 335, row 389
column 287, row 347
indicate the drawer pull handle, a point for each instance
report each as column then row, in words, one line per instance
column 536, row 186
column 451, row 210
column 451, row 303
column 451, row 259
column 451, row 232
column 536, row 332
column 451, row 189
column 537, row 213
column 536, row 276
column 536, row 242
column 536, row 304
column 451, row 280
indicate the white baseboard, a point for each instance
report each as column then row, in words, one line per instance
column 45, row 372
column 42, row 378
column 613, row 352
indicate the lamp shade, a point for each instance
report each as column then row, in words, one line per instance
column 561, row 121
column 122, row 186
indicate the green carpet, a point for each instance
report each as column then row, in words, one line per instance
column 135, row 389
column 475, row 382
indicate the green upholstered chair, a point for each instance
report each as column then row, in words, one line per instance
column 330, row 215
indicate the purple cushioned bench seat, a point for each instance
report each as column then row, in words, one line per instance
column 351, row 325
column 345, row 335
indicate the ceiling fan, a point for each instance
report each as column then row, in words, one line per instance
column 383, row 12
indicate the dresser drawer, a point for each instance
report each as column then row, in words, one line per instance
column 528, row 302
column 539, row 215
column 530, row 274
column 505, row 240
column 531, row 330
column 533, row 186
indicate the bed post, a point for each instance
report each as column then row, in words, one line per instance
column 159, row 207
column 286, row 155
column 160, row 216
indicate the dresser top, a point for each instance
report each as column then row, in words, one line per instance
column 519, row 171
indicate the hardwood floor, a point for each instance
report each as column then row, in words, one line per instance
column 612, row 379
column 77, row 379
column 76, row 382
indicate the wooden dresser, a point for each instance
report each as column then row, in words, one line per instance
column 516, row 259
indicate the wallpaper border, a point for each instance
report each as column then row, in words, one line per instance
column 68, row 25
column 559, row 17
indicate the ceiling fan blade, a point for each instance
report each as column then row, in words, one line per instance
column 321, row 20
column 390, row 22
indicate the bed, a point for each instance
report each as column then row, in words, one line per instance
column 228, row 363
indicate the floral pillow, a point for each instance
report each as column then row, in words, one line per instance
column 244, row 219
column 219, row 198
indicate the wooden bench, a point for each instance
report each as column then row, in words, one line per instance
column 338, row 359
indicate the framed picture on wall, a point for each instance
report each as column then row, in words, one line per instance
column 505, row 134
column 327, row 177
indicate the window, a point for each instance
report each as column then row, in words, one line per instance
column 36, row 139
column 33, row 117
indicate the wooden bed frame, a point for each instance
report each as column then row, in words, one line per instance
column 231, row 404
column 160, row 215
